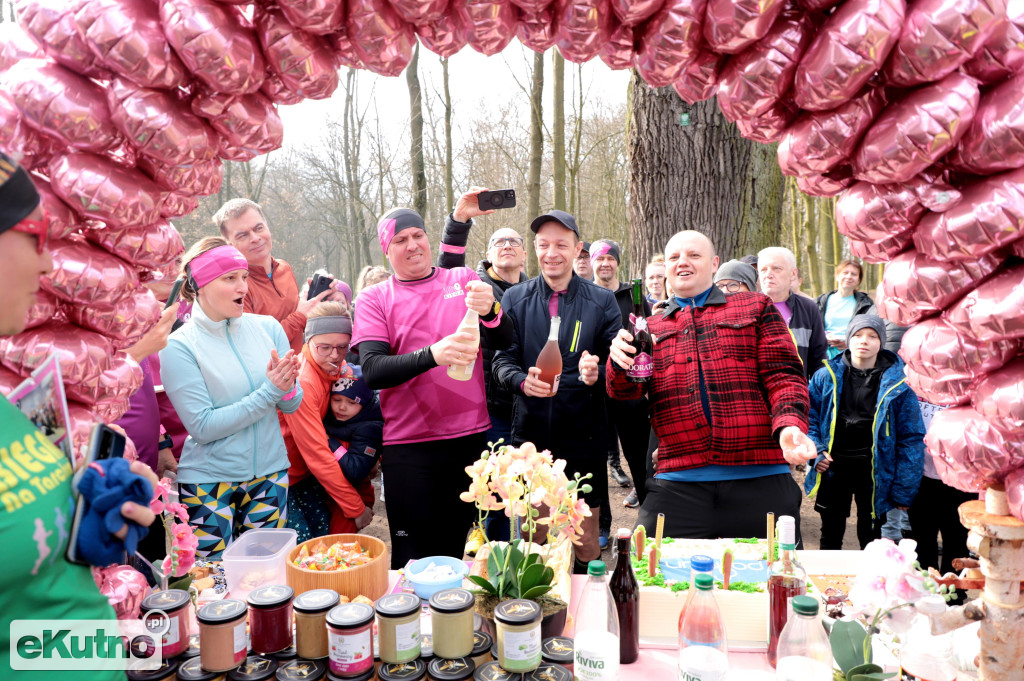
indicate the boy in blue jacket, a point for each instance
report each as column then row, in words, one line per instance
column 866, row 423
column 355, row 429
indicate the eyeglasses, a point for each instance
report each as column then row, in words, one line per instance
column 513, row 241
column 325, row 350
column 730, row 286
column 39, row 228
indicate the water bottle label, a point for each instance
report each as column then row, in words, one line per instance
column 643, row 366
column 596, row 656
column 702, row 663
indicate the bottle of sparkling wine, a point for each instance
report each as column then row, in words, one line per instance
column 549, row 361
column 786, row 579
column 643, row 360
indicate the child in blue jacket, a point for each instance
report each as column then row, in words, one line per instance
column 355, row 429
column 866, row 423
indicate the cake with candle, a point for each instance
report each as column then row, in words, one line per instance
column 743, row 597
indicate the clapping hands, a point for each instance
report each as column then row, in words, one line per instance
column 283, row 371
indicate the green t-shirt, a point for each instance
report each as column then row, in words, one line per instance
column 36, row 508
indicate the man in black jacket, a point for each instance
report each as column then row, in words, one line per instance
column 776, row 269
column 566, row 422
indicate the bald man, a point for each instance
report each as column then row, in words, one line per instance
column 728, row 399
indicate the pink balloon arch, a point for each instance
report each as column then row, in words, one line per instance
column 912, row 113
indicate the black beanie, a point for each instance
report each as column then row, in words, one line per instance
column 18, row 195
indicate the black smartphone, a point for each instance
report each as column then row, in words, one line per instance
column 105, row 443
column 318, row 285
column 496, row 200
column 175, row 292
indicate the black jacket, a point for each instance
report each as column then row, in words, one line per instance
column 566, row 423
column 364, row 434
column 624, row 299
column 499, row 400
column 864, row 303
column 808, row 331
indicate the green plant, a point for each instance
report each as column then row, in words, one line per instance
column 511, row 573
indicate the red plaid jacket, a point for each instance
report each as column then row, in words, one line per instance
column 755, row 382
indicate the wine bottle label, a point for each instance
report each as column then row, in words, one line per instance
column 643, row 366
column 554, row 384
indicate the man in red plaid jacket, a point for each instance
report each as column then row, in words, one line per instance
column 728, row 403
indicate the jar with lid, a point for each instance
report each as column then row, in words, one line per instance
column 166, row 672
column 255, row 668
column 192, row 670
column 456, row 669
column 270, row 618
column 557, row 650
column 426, row 646
column 402, row 671
column 482, row 643
column 302, row 670
column 193, row 647
column 222, row 644
column 548, row 672
column 351, row 641
column 365, row 676
column 451, row 612
column 518, row 634
column 311, row 610
column 174, row 603
column 492, row 671
column 398, row 627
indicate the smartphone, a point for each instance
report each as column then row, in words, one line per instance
column 175, row 292
column 105, row 443
column 318, row 285
column 496, row 200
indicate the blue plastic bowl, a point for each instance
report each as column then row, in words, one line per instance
column 426, row 587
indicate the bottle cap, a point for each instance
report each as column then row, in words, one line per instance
column 624, row 533
column 704, row 582
column 702, row 564
column 805, row 605
column 787, row 531
column 596, row 568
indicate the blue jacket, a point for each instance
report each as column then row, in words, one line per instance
column 215, row 376
column 898, row 442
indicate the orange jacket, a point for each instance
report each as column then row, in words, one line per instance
column 306, row 440
column 278, row 297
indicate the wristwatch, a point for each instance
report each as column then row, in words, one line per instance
column 495, row 309
column 166, row 443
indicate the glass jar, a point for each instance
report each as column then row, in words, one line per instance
column 557, row 650
column 492, row 671
column 193, row 647
column 455, row 669
column 167, row 672
column 270, row 618
column 548, row 672
column 351, row 641
column 365, row 676
column 451, row 612
column 302, row 670
column 174, row 603
column 222, row 644
column 255, row 668
column 518, row 628
column 311, row 610
column 482, row 643
column 404, row 671
column 398, row 627
column 289, row 653
column 192, row 670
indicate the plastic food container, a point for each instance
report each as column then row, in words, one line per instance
column 257, row 558
column 426, row 587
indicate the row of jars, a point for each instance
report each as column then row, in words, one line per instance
column 336, row 640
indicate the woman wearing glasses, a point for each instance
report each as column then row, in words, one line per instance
column 736, row 276
column 321, row 500
column 227, row 373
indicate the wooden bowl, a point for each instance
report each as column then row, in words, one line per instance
column 370, row 580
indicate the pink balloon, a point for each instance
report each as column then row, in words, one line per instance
column 420, row 11
column 940, row 35
column 444, row 36
column 967, row 440
column 827, row 184
column 635, row 12
column 490, row 24
column 1002, row 55
column 42, row 311
column 277, row 92
column 318, row 17
column 16, row 45
column 537, row 31
column 990, row 216
column 99, row 188
column 916, row 286
column 1000, row 397
column 848, row 49
column 917, row 130
column 86, row 275
column 769, row 126
column 127, row 38
column 583, row 28
column 125, row 323
column 216, row 43
column 83, row 355
column 52, row 24
column 301, row 60
column 379, row 37
column 9, row 380
column 940, row 391
column 730, row 26
column 344, row 50
column 149, row 247
column 20, row 139
column 751, row 82
column 991, row 312
column 61, row 104
column 995, row 139
column 699, row 80
column 872, row 212
column 160, row 124
column 178, row 204
column 618, row 53
column 108, row 393
column 63, row 220
column 818, row 142
column 817, row 5
column 669, row 41
column 249, row 124
column 933, row 191
column 201, row 179
column 1015, row 492
column 879, row 251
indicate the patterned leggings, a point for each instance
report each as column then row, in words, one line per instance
column 220, row 511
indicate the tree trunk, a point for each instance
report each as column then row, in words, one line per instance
column 690, row 169
column 419, row 173
column 536, row 157
column 558, row 130
column 449, row 186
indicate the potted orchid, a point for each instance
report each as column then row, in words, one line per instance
column 520, row 481
column 884, row 592
column 180, row 542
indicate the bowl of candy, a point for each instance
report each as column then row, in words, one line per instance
column 351, row 564
column 436, row 573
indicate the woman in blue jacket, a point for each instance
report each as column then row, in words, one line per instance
column 867, row 425
column 227, row 374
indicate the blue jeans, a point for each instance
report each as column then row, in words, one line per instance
column 896, row 523
column 501, row 429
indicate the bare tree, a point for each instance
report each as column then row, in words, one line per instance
column 419, row 175
column 558, row 129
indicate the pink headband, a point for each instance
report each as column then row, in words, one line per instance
column 602, row 248
column 207, row 266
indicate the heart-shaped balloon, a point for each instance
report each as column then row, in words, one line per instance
column 635, row 12
column 730, row 26
column 618, row 52
column 669, row 41
column 42, row 311
column 249, row 125
column 16, row 45
column 125, row 323
column 86, row 275
column 995, row 139
column 870, row 212
column 200, row 179
column 832, row 183
column 319, row 17
column 63, row 221
column 18, row 138
column 769, row 126
column 379, row 37
column 965, row 437
column 1002, row 55
column 301, row 60
column 948, row 455
column 935, row 349
column 933, row 191
column 178, row 204
column 444, row 36
column 100, row 189
column 83, row 355
column 150, row 247
column 699, row 80
column 1000, row 397
column 418, row 12
column 991, row 312
column 52, row 24
column 124, row 587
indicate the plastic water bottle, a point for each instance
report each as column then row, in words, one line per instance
column 702, row 643
column 596, row 647
column 804, row 653
column 699, row 564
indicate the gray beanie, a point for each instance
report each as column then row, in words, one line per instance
column 866, row 321
column 738, row 271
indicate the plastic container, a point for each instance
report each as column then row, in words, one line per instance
column 804, row 650
column 222, row 644
column 425, row 587
column 257, row 558
column 596, row 644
